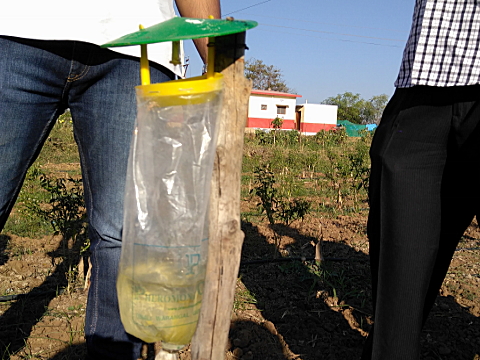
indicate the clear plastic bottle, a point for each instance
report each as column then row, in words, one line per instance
column 164, row 250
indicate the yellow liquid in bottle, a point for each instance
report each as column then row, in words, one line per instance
column 156, row 304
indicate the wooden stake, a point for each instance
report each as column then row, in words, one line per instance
column 226, row 237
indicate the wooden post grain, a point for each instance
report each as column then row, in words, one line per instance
column 226, row 237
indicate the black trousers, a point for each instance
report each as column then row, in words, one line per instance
column 424, row 192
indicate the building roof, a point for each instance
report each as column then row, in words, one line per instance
column 274, row 93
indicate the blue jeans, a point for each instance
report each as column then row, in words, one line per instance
column 38, row 81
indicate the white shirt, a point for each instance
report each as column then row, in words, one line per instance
column 93, row 21
column 444, row 43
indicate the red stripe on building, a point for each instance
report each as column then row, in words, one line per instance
column 259, row 123
column 314, row 128
column 267, row 123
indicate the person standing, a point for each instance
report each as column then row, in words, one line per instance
column 50, row 61
column 425, row 173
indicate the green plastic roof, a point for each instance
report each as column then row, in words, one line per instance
column 181, row 28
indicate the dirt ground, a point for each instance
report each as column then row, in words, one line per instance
column 285, row 307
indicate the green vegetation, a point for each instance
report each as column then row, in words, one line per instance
column 52, row 199
column 243, row 299
column 285, row 174
column 353, row 108
column 277, row 207
column 288, row 172
column 286, row 177
column 58, row 161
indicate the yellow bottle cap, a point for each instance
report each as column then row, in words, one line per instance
column 193, row 90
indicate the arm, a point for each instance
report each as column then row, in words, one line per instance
column 199, row 9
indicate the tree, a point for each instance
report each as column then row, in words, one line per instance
column 265, row 77
column 350, row 106
column 353, row 108
column 277, row 123
column 377, row 104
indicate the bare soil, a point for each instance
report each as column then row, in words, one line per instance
column 286, row 307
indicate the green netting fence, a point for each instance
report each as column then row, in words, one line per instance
column 355, row 130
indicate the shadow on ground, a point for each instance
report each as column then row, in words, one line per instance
column 26, row 310
column 325, row 312
column 285, row 309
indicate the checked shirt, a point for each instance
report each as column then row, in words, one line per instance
column 443, row 46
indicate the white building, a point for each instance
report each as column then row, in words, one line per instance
column 312, row 118
column 265, row 105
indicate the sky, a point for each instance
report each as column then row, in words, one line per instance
column 324, row 47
